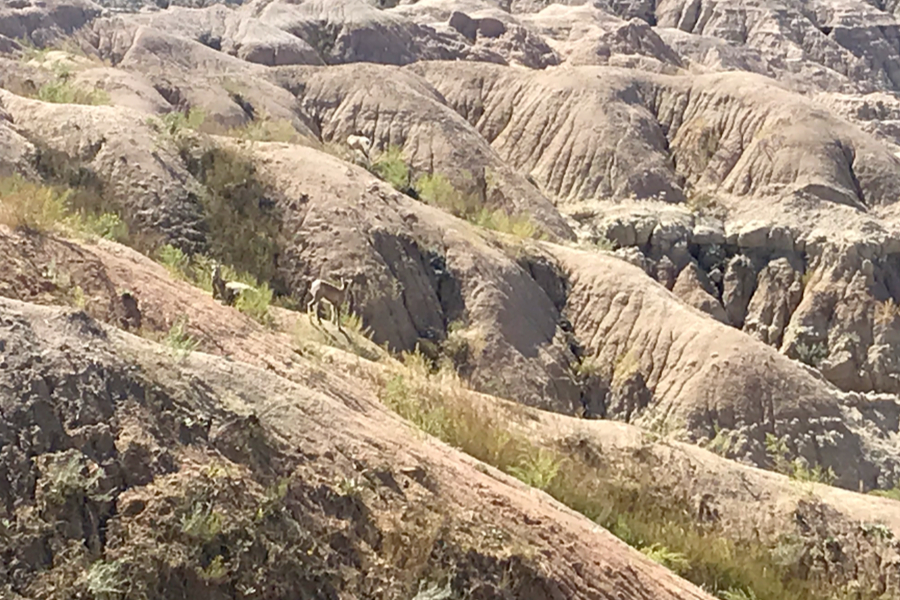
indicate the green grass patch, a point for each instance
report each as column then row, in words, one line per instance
column 64, row 91
column 391, row 167
column 627, row 499
column 179, row 341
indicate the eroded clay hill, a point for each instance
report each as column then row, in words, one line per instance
column 697, row 205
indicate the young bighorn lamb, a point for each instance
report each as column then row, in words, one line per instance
column 335, row 296
column 226, row 291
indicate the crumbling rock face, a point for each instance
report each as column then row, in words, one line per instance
column 698, row 373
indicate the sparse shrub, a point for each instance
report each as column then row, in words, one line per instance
column 73, row 478
column 255, row 302
column 537, row 468
column 797, row 469
column 806, row 278
column 519, row 225
column 626, row 365
column 78, row 298
column 893, row 493
column 886, row 312
column 738, row 594
column 175, row 122
column 674, row 561
column 215, row 571
column 435, row 189
column 811, row 354
column 352, row 486
column 722, row 442
column 174, row 260
column 434, row 592
column 391, row 167
column 106, row 225
column 241, row 213
column 105, row 580
column 352, row 321
column 62, row 91
column 181, row 343
column 30, row 206
column 202, row 522
column 456, row 347
column 701, row 203
column 602, row 243
column 264, row 129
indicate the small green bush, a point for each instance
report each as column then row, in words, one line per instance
column 73, row 478
column 674, row 561
column 202, row 522
column 537, row 468
column 264, row 129
column 240, row 212
column 778, row 452
column 174, row 260
column 63, row 91
column 811, row 354
column 435, row 189
column 391, row 167
column 175, row 122
column 106, row 225
column 106, row 581
column 893, row 493
column 179, row 341
column 30, row 206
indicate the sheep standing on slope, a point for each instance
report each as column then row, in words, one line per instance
column 360, row 143
column 335, row 296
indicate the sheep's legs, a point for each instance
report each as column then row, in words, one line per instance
column 309, row 308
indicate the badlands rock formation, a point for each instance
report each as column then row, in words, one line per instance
column 714, row 187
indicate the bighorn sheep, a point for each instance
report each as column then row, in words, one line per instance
column 335, row 296
column 226, row 291
column 361, row 143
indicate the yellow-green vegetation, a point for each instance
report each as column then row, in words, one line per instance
column 105, row 580
column 811, row 354
column 175, row 122
column 437, row 190
column 197, row 269
column 701, row 203
column 35, row 207
column 893, row 493
column 309, row 338
column 627, row 499
column 674, row 561
column 626, row 365
column 722, row 442
column 266, row 129
column 72, row 477
column 391, row 167
column 179, row 341
column 886, row 312
column 30, row 206
column 64, row 91
column 602, row 243
column 806, row 278
column 797, row 469
column 240, row 212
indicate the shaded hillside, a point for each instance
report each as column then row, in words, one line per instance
column 607, row 249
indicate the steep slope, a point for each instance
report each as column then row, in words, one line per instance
column 118, row 442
